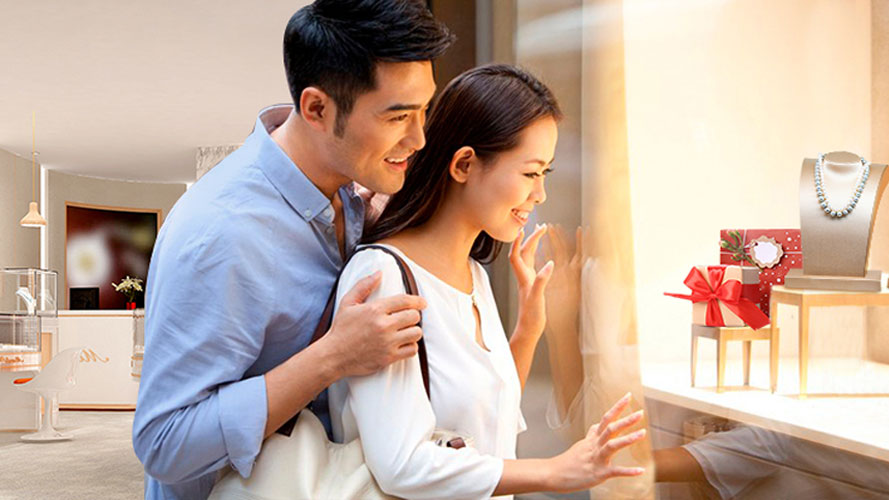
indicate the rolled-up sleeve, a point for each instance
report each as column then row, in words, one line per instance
column 395, row 420
column 206, row 310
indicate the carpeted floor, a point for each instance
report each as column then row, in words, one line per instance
column 97, row 463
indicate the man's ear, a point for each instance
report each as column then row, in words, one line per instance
column 461, row 163
column 317, row 109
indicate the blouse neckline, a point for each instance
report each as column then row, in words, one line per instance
column 435, row 278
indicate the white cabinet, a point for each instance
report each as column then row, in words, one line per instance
column 19, row 410
column 104, row 378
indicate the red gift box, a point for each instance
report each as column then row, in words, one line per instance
column 787, row 239
column 718, row 297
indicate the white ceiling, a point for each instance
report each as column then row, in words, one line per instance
column 129, row 89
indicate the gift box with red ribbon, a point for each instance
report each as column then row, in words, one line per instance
column 757, row 245
column 718, row 296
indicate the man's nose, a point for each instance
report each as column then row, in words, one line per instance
column 415, row 138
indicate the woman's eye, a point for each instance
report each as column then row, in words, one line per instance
column 534, row 175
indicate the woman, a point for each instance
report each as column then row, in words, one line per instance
column 490, row 144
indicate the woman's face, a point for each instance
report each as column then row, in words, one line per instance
column 500, row 195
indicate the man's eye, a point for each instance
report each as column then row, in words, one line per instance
column 399, row 118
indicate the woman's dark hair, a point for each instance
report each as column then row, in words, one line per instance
column 336, row 44
column 486, row 108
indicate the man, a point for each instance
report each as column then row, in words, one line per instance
column 244, row 264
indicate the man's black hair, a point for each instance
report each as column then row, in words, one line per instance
column 336, row 44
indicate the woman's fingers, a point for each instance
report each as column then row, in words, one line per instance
column 618, row 443
column 515, row 257
column 516, row 243
column 612, row 413
column 624, row 472
column 557, row 235
column 616, row 427
column 542, row 278
column 529, row 247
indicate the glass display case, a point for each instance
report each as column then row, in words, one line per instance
column 27, row 296
column 28, row 291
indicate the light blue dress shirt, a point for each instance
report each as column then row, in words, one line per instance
column 239, row 276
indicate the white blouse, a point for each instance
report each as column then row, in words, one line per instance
column 473, row 391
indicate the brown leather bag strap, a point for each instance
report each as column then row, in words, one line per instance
column 410, row 286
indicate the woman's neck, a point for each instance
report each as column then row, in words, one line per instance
column 441, row 245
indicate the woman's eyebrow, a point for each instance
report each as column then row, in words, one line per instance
column 541, row 162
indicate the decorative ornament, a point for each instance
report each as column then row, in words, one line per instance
column 765, row 252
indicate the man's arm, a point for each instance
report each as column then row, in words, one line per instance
column 196, row 411
column 205, row 320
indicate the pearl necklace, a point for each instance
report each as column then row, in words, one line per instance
column 853, row 200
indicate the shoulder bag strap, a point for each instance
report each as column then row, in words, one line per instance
column 410, row 286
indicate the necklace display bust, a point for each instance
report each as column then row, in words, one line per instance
column 835, row 245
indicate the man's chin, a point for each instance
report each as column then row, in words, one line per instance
column 387, row 186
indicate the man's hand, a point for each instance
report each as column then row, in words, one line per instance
column 367, row 336
column 364, row 337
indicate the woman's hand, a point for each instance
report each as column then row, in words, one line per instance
column 532, row 283
column 563, row 291
column 588, row 462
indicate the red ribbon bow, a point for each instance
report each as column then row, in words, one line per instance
column 729, row 293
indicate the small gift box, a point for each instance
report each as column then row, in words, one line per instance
column 718, row 296
column 775, row 251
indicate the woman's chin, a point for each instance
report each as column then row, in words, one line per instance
column 507, row 235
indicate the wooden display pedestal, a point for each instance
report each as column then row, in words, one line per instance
column 723, row 335
column 873, row 281
column 804, row 300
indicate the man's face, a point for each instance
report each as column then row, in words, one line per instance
column 385, row 127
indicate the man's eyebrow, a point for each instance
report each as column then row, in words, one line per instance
column 403, row 107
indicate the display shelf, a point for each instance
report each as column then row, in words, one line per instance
column 846, row 407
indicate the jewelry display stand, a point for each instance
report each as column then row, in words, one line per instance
column 835, row 247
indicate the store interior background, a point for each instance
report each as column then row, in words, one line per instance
column 723, row 99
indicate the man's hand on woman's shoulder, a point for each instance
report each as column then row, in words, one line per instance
column 367, row 336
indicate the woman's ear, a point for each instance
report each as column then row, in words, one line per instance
column 461, row 163
column 316, row 108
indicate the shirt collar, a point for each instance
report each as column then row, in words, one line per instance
column 287, row 178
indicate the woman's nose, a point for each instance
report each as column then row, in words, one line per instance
column 539, row 193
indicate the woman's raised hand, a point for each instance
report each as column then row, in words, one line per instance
column 588, row 462
column 532, row 283
column 565, row 284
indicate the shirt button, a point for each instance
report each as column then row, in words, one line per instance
column 307, row 213
column 329, row 229
column 328, row 213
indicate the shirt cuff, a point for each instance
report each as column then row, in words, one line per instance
column 496, row 473
column 243, row 411
column 710, row 472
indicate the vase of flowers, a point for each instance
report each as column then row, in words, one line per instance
column 129, row 287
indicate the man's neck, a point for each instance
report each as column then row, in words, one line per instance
column 303, row 153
